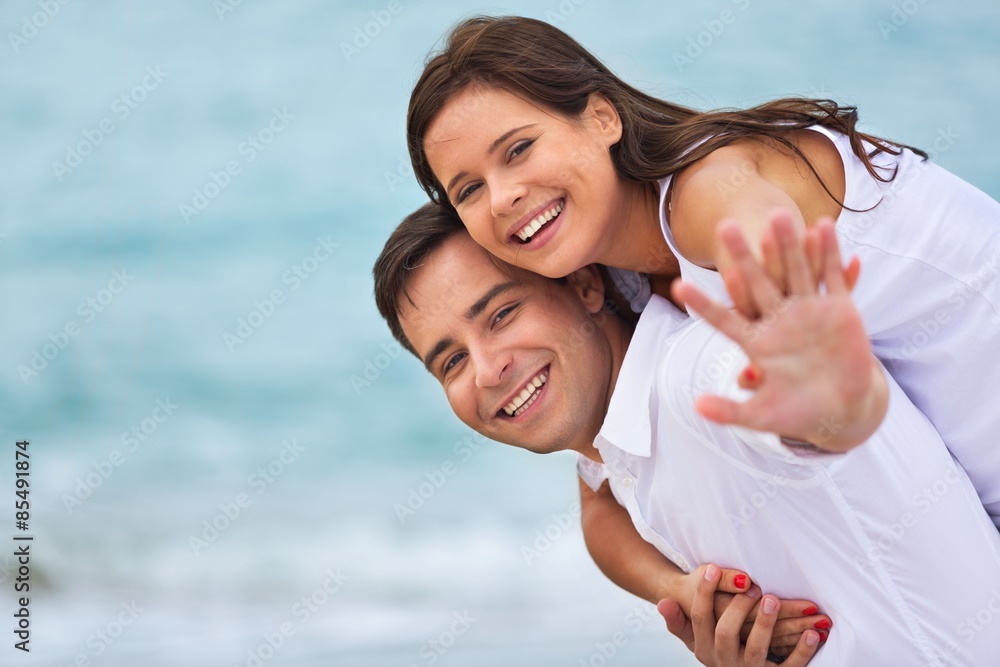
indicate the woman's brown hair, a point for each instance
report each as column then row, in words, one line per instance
column 538, row 62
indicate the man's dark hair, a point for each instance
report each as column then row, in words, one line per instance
column 417, row 236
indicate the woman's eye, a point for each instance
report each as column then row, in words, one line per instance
column 518, row 149
column 466, row 191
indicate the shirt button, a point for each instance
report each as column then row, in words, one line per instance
column 628, row 482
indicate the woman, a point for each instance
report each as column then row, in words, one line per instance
column 553, row 163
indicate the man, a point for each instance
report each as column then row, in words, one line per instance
column 538, row 364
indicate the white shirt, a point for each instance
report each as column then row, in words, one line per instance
column 929, row 294
column 889, row 539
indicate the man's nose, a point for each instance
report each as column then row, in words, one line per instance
column 491, row 365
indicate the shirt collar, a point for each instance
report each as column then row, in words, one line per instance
column 627, row 425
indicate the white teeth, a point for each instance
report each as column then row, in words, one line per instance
column 527, row 396
column 529, row 229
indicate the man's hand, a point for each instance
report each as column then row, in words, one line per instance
column 821, row 383
column 718, row 643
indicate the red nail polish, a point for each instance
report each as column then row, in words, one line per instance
column 823, row 625
column 750, row 374
column 823, row 636
column 809, row 611
column 740, row 580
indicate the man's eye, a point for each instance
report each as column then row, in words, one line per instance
column 466, row 191
column 452, row 361
column 504, row 312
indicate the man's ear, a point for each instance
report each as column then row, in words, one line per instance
column 606, row 118
column 589, row 286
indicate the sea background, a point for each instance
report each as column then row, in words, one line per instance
column 489, row 567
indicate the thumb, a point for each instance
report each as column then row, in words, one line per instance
column 677, row 623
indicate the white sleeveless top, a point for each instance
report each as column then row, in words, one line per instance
column 929, row 294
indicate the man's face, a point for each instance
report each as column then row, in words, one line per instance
column 519, row 356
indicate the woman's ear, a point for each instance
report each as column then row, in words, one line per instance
column 589, row 287
column 605, row 117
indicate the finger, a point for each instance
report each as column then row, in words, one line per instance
column 760, row 636
column 798, row 275
column 797, row 608
column 733, row 581
column 833, row 271
column 814, row 253
column 737, row 288
column 773, row 263
column 703, row 612
column 677, row 623
column 729, row 322
column 762, row 289
column 728, row 642
column 750, row 377
column 788, row 630
column 804, row 650
column 852, row 272
column 724, row 411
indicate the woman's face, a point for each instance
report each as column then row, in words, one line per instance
column 535, row 188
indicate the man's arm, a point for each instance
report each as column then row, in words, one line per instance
column 821, row 383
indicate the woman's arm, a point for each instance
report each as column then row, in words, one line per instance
column 635, row 565
column 746, row 181
column 622, row 555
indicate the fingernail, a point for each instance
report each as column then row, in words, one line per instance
column 770, row 605
column 710, row 572
column 824, row 635
column 825, row 624
column 740, row 580
column 812, row 638
column 809, row 611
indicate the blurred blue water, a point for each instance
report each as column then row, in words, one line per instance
column 330, row 183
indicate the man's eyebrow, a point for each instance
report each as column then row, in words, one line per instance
column 474, row 311
column 440, row 347
column 489, row 151
column 479, row 306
